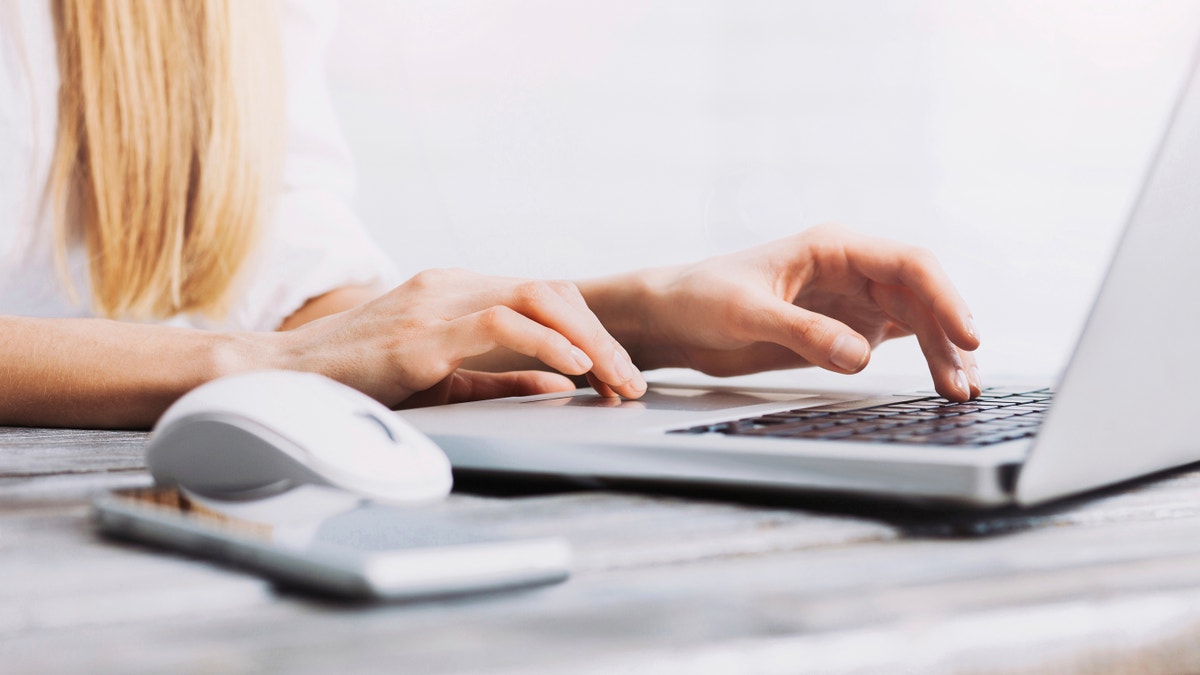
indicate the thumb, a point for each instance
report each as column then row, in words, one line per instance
column 473, row 385
column 819, row 339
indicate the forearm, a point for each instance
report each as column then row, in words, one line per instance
column 98, row 373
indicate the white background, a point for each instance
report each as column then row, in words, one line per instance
column 572, row 138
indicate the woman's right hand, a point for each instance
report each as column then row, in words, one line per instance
column 415, row 337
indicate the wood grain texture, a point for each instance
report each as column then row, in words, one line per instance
column 1109, row 583
column 31, row 452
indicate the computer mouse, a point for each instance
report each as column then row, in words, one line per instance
column 258, row 434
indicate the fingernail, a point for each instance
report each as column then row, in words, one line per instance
column 638, row 384
column 623, row 365
column 970, row 324
column 960, row 381
column 973, row 373
column 628, row 373
column 581, row 359
column 849, row 353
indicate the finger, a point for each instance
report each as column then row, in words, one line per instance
column 470, row 385
column 569, row 292
column 501, row 326
column 820, row 340
column 559, row 306
column 600, row 387
column 477, row 386
column 944, row 359
column 544, row 302
column 438, row 394
column 972, row 368
column 918, row 270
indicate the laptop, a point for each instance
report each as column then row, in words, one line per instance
column 1125, row 406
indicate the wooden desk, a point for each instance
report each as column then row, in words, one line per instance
column 662, row 584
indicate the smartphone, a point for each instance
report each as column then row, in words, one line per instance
column 330, row 542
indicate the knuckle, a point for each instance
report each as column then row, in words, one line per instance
column 918, row 263
column 925, row 257
column 831, row 229
column 418, row 373
column 564, row 288
column 425, row 376
column 494, row 319
column 596, row 338
column 418, row 280
column 428, row 278
column 826, row 242
column 813, row 331
column 827, row 234
column 546, row 347
column 532, row 293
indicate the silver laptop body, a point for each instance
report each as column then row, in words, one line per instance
column 1127, row 404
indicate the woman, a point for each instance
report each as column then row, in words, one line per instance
column 171, row 214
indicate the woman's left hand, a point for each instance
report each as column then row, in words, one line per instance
column 823, row 297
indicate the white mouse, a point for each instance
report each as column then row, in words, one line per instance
column 258, row 434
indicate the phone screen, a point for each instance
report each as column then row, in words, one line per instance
column 333, row 541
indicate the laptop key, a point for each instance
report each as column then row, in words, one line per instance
column 1000, row 415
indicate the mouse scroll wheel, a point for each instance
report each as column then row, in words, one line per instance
column 382, row 425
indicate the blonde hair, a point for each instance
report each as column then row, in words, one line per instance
column 169, row 137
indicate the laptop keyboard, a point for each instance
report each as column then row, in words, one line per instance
column 998, row 415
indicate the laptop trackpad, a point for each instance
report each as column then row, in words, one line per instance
column 678, row 398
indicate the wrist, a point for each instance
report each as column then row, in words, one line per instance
column 234, row 353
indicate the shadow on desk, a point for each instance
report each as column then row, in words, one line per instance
column 930, row 520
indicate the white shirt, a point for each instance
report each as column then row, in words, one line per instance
column 314, row 245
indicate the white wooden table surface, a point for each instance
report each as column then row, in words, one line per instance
column 662, row 583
